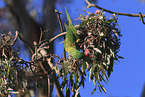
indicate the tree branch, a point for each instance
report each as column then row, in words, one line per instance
column 52, row 39
column 118, row 13
column 61, row 27
column 59, row 19
column 25, row 42
column 141, row 18
column 15, row 39
column 28, row 27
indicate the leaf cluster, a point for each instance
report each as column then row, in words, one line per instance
column 100, row 37
column 12, row 67
column 99, row 42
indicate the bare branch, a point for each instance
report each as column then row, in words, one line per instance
column 141, row 18
column 118, row 13
column 15, row 39
column 40, row 35
column 59, row 19
column 26, row 43
column 61, row 27
column 52, row 39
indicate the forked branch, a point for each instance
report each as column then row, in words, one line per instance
column 109, row 11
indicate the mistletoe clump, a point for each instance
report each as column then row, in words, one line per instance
column 100, row 39
column 93, row 47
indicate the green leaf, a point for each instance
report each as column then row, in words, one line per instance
column 102, row 69
column 90, row 74
column 93, row 78
column 71, row 82
column 64, row 82
column 101, row 77
column 15, row 92
column 110, row 69
column 82, row 81
column 120, row 57
column 115, row 63
column 90, row 66
column 57, row 69
column 68, row 93
column 84, row 66
column 102, row 87
column 51, row 85
column 93, row 91
column 76, row 77
column 84, row 23
column 97, row 76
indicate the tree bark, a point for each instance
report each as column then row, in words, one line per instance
column 26, row 25
column 49, row 22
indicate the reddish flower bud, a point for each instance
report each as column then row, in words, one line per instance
column 87, row 52
column 97, row 11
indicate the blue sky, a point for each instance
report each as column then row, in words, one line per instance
column 128, row 77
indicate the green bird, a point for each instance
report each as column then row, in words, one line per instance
column 70, row 40
column 71, row 25
column 70, row 45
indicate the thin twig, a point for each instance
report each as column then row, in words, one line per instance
column 42, row 67
column 61, row 27
column 26, row 43
column 118, row 13
column 57, row 86
column 56, row 82
column 40, row 35
column 61, row 34
column 141, row 18
column 59, row 19
column 15, row 39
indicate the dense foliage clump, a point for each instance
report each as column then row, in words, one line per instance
column 12, row 68
column 98, row 40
